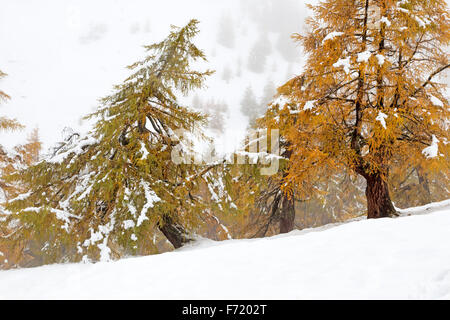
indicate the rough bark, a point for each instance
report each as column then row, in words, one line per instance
column 379, row 203
column 287, row 215
column 174, row 232
column 287, row 210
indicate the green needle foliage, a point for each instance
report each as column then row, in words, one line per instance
column 104, row 195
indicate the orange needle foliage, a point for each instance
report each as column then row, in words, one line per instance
column 369, row 97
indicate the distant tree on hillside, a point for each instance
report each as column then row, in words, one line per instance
column 250, row 106
column 258, row 54
column 217, row 112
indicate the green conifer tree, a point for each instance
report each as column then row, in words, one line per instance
column 104, row 195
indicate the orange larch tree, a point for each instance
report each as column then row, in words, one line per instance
column 369, row 96
column 6, row 124
column 10, row 161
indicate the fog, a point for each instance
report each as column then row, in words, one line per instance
column 62, row 56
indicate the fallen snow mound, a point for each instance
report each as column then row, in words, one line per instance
column 403, row 258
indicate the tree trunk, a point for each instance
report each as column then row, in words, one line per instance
column 174, row 232
column 379, row 204
column 287, row 215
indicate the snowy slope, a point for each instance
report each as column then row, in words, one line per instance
column 407, row 258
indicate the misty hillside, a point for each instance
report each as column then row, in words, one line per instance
column 61, row 61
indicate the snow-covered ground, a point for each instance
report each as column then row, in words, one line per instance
column 402, row 258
